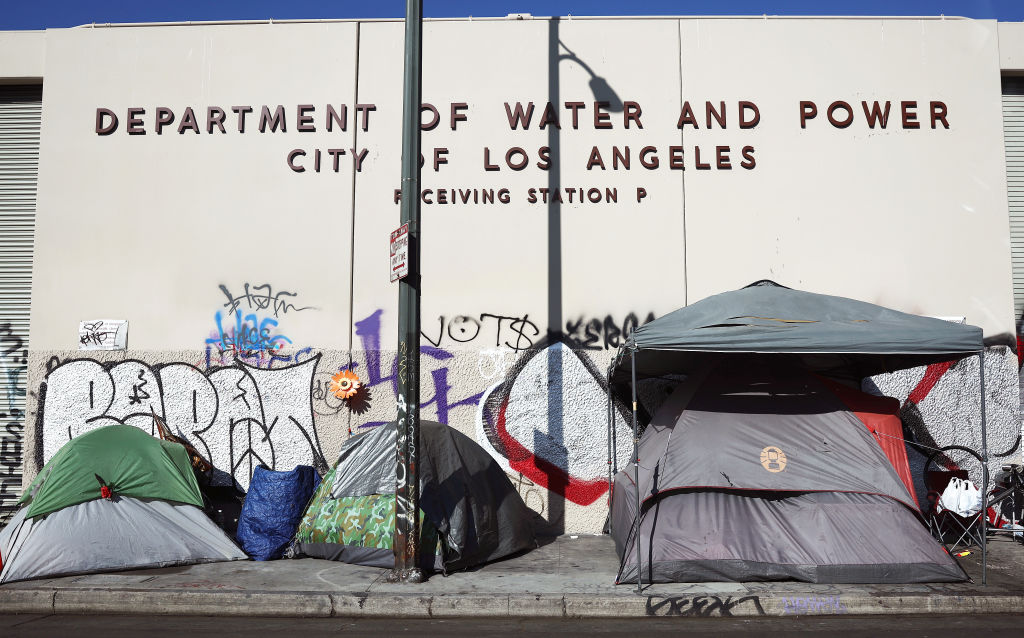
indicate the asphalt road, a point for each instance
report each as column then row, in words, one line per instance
column 195, row 627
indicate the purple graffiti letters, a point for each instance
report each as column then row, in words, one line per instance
column 368, row 330
column 813, row 605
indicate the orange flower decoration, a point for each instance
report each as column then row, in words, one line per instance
column 345, row 384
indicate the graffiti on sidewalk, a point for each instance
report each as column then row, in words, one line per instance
column 703, row 606
column 813, row 605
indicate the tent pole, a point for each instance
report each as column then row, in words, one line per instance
column 608, row 378
column 636, row 473
column 984, row 473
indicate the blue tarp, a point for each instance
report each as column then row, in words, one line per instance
column 273, row 508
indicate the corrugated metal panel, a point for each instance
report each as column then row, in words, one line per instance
column 20, row 108
column 1013, row 134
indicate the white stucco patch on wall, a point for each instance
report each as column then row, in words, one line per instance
column 557, row 410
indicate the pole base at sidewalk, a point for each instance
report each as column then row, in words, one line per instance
column 414, row 575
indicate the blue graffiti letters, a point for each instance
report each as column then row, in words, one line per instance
column 247, row 335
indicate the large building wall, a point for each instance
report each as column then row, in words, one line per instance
column 247, row 283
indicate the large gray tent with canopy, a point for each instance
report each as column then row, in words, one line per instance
column 712, row 503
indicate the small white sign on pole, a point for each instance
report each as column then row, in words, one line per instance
column 400, row 252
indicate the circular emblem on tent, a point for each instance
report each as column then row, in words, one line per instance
column 773, row 459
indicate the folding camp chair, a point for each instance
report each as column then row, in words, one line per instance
column 948, row 527
column 1006, row 502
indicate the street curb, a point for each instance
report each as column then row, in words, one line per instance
column 189, row 603
column 27, row 601
column 322, row 604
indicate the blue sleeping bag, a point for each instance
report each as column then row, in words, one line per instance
column 273, row 508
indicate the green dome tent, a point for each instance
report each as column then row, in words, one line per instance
column 114, row 498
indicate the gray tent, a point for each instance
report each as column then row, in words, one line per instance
column 111, row 499
column 831, row 335
column 752, row 471
column 470, row 513
column 102, row 535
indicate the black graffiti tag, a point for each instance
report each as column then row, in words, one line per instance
column 262, row 297
column 701, row 606
column 601, row 333
column 9, row 342
column 138, row 394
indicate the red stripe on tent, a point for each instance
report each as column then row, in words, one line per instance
column 679, row 488
column 545, row 473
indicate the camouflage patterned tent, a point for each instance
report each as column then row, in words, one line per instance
column 469, row 511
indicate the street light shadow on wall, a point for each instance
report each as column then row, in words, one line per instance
column 603, row 92
column 558, row 52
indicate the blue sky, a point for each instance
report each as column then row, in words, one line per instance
column 41, row 14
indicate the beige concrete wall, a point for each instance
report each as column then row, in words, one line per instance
column 22, row 56
column 499, row 258
column 524, row 302
column 880, row 215
column 1011, row 46
column 147, row 227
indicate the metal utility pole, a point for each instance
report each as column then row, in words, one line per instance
column 407, row 498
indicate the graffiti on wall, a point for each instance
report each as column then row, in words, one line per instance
column 941, row 406
column 543, row 417
column 547, row 419
column 520, row 333
column 540, row 411
column 261, row 297
column 245, row 332
column 238, row 416
column 443, row 399
column 13, row 361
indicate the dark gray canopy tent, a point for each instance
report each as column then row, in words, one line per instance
column 833, row 336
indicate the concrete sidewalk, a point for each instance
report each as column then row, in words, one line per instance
column 566, row 577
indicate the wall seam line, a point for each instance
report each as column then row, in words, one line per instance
column 682, row 173
column 352, row 227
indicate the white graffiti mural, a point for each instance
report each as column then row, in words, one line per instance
column 239, row 416
column 548, row 420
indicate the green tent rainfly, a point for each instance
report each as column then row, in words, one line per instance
column 130, row 463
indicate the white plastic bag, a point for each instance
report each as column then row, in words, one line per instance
column 960, row 497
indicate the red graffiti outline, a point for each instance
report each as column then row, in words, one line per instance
column 931, row 376
column 545, row 473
